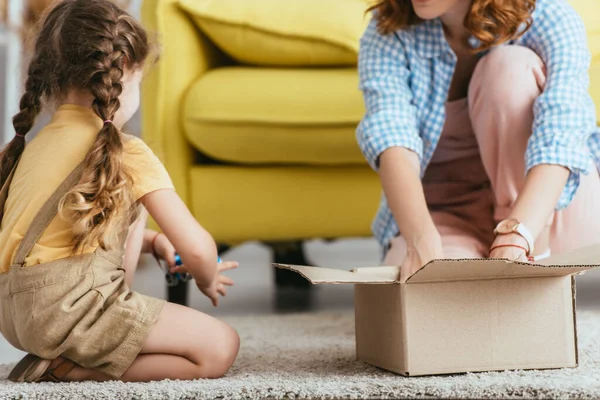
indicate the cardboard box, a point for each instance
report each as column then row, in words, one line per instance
column 455, row 316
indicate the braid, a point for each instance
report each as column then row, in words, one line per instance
column 105, row 190
column 84, row 47
column 106, row 83
column 30, row 106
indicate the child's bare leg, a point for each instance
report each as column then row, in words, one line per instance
column 133, row 246
column 184, row 344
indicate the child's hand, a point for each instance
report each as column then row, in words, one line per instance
column 218, row 285
column 165, row 250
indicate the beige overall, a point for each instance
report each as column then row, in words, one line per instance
column 78, row 307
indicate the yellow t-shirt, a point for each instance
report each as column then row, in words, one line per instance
column 46, row 162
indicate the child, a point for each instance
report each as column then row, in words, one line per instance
column 68, row 245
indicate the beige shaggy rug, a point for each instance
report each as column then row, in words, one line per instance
column 312, row 356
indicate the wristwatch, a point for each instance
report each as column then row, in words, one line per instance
column 511, row 225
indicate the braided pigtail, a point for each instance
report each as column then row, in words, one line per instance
column 101, row 202
column 86, row 46
column 30, row 106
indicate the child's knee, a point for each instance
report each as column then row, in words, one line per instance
column 222, row 356
column 227, row 352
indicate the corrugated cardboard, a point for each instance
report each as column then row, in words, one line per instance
column 454, row 316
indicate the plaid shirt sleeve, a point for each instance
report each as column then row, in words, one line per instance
column 564, row 117
column 390, row 119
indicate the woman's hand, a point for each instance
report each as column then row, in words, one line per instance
column 218, row 286
column 401, row 181
column 419, row 252
column 512, row 247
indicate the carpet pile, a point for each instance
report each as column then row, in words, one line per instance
column 313, row 356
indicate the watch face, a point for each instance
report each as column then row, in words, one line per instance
column 507, row 226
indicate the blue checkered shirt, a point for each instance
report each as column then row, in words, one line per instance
column 405, row 78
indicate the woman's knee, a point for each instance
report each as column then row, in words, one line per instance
column 509, row 76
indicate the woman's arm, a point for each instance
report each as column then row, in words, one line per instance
column 400, row 178
column 543, row 187
column 390, row 119
column 536, row 202
column 388, row 136
column 194, row 244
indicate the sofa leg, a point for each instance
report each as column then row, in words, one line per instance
column 293, row 293
column 179, row 294
column 222, row 248
column 291, row 253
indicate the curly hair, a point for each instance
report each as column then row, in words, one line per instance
column 85, row 45
column 493, row 22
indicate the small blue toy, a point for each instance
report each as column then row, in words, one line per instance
column 179, row 263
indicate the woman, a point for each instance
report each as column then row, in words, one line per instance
column 481, row 127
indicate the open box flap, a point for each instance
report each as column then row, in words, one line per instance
column 587, row 256
column 318, row 275
column 457, row 270
column 477, row 269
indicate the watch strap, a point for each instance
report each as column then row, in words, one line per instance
column 526, row 234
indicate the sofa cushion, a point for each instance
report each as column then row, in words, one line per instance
column 265, row 115
column 278, row 33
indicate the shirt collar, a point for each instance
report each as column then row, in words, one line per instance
column 430, row 41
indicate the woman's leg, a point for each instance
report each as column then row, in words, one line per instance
column 184, row 344
column 133, row 245
column 578, row 225
column 503, row 89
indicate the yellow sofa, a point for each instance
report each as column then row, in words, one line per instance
column 590, row 13
column 265, row 153
column 299, row 176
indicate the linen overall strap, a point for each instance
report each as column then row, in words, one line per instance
column 46, row 214
column 4, row 190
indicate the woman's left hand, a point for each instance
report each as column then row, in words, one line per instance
column 513, row 246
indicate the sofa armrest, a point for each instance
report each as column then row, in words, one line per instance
column 185, row 55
